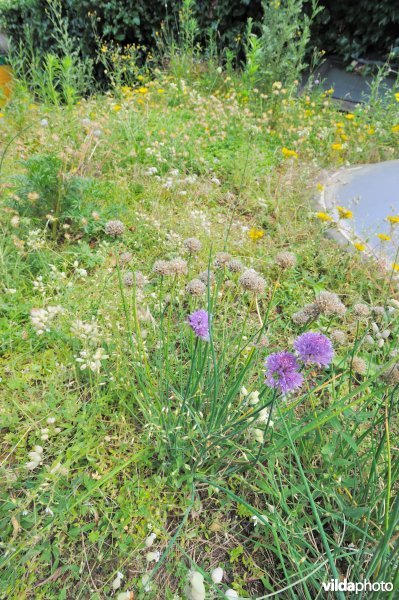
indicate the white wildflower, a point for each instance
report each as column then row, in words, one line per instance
column 117, row 582
column 150, row 540
column 217, row 575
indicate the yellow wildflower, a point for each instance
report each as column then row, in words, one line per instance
column 255, row 234
column 384, row 237
column 339, row 124
column 395, row 266
column 350, row 116
column 394, row 219
column 289, row 153
column 143, row 90
column 160, row 91
column 371, row 131
column 320, row 187
column 397, row 96
column 329, row 92
column 116, row 107
column 344, row 213
column 395, row 129
column 337, row 146
column 323, row 216
column 359, row 246
column 1, row 115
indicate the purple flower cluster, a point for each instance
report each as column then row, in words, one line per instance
column 282, row 372
column 282, row 368
column 314, row 349
column 199, row 323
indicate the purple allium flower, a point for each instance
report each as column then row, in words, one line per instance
column 199, row 323
column 314, row 348
column 282, row 372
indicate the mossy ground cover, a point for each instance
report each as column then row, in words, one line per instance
column 116, row 421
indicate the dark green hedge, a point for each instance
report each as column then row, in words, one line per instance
column 359, row 28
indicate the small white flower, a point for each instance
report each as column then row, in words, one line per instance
column 231, row 593
column 146, row 582
column 153, row 556
column 258, row 521
column 217, row 575
column 253, row 398
column 125, row 596
column 35, row 456
column 257, row 435
column 263, row 417
column 31, row 465
column 375, row 327
column 150, row 540
column 117, row 582
column 51, row 420
column 197, row 586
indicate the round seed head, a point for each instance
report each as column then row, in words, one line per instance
column 192, row 245
column 308, row 313
column 235, row 266
column 286, row 260
column 178, row 266
column 114, row 228
column 361, row 310
column 359, row 366
column 251, row 281
column 338, row 337
column 221, row 260
column 162, row 268
column 196, row 288
column 125, row 258
column 137, row 277
column 329, row 304
column 205, row 275
column 391, row 375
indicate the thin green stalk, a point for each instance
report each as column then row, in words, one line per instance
column 313, row 506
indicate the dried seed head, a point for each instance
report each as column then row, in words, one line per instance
column 114, row 228
column 221, row 260
column 329, row 304
column 196, row 287
column 235, row 266
column 162, row 267
column 178, row 266
column 359, row 366
column 391, row 375
column 136, row 277
column 286, row 260
column 252, row 281
column 308, row 313
column 125, row 258
column 205, row 275
column 338, row 337
column 192, row 245
column 361, row 310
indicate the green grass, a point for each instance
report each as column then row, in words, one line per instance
column 160, row 437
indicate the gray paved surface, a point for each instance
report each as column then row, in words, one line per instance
column 372, row 193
